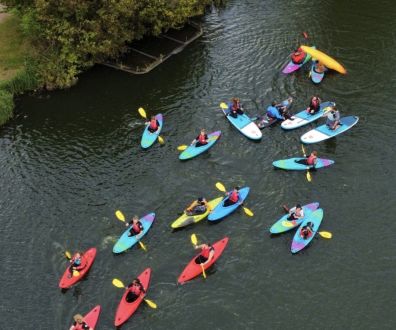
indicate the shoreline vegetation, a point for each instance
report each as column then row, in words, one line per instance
column 47, row 44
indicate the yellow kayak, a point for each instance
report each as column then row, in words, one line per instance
column 329, row 62
column 186, row 220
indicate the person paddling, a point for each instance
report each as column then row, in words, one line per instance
column 199, row 206
column 77, row 263
column 333, row 118
column 233, row 197
column 136, row 227
column 296, row 213
column 201, row 139
column 135, row 290
column 314, row 105
column 206, row 255
column 319, row 67
column 298, row 56
column 153, row 124
column 79, row 323
column 306, row 231
column 311, row 160
column 235, row 108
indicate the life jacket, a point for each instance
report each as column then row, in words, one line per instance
column 136, row 289
column 153, row 124
column 234, row 196
column 206, row 251
column 306, row 232
column 315, row 104
column 311, row 160
column 202, row 138
column 299, row 57
column 136, row 228
column 235, row 106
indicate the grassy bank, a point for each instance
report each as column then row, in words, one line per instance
column 16, row 64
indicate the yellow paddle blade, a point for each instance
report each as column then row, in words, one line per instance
column 118, row 283
column 248, row 212
column 194, row 239
column 203, row 271
column 160, row 139
column 142, row 246
column 68, row 255
column 152, row 304
column 325, row 234
column 142, row 112
column 223, row 105
column 327, row 109
column 303, row 150
column 220, row 186
column 120, row 216
column 309, row 178
column 76, row 272
column 287, row 224
column 182, row 147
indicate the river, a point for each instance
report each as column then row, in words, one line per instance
column 70, row 158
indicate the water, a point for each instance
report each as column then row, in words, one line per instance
column 70, row 158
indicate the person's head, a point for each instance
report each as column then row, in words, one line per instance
column 290, row 99
column 314, row 153
column 77, row 255
column 78, row 318
column 235, row 100
column 200, row 199
column 203, row 131
column 153, row 117
column 135, row 219
column 237, row 188
column 273, row 103
column 298, row 206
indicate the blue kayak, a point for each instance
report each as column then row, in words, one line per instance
column 149, row 138
column 298, row 242
column 193, row 151
column 322, row 132
column 316, row 77
column 291, row 164
column 283, row 225
column 125, row 242
column 245, row 125
column 303, row 118
column 221, row 211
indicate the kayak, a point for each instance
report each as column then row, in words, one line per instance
column 267, row 122
column 125, row 242
column 125, row 309
column 298, row 242
column 283, row 225
column 291, row 164
column 149, row 138
column 291, row 66
column 186, row 220
column 245, row 125
column 322, row 132
column 193, row 151
column 329, row 62
column 220, row 211
column 92, row 317
column 193, row 269
column 316, row 77
column 69, row 279
column 303, row 118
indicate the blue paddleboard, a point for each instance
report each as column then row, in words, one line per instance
column 221, row 211
column 245, row 125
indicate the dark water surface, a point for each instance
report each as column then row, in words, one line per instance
column 70, row 158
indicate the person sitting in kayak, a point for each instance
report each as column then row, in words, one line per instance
column 77, row 262
column 79, row 323
column 206, row 255
column 235, row 108
column 201, row 139
column 314, row 105
column 136, row 227
column 319, row 67
column 274, row 112
column 298, row 56
column 197, row 207
column 153, row 124
column 311, row 160
column 306, row 231
column 233, row 197
column 135, row 290
column 296, row 213
column 333, row 118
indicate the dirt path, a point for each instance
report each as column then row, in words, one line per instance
column 2, row 15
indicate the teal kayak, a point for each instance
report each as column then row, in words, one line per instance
column 193, row 151
column 298, row 242
column 283, row 225
column 221, row 211
column 125, row 242
column 149, row 138
column 292, row 164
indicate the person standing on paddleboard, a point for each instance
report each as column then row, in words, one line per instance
column 235, row 108
column 153, row 124
column 333, row 118
column 201, row 139
column 135, row 290
column 197, row 207
column 233, row 197
column 207, row 254
column 314, row 105
column 79, row 323
column 136, row 227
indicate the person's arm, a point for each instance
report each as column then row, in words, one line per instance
column 278, row 115
column 301, row 214
column 72, row 327
column 211, row 255
column 199, row 246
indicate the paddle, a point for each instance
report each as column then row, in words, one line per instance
column 142, row 112
column 221, row 187
column 223, row 105
column 120, row 216
column 308, row 174
column 68, row 256
column 194, row 241
column 118, row 283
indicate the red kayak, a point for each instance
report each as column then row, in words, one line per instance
column 69, row 279
column 193, row 269
column 91, row 318
column 126, row 309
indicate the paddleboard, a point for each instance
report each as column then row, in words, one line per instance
column 222, row 211
column 245, row 125
column 316, row 77
column 298, row 242
column 125, row 309
column 291, row 164
column 283, row 225
column 322, row 132
column 149, row 138
column 303, row 118
column 125, row 242
column 91, row 318
column 193, row 269
column 186, row 220
column 193, row 151
column 69, row 279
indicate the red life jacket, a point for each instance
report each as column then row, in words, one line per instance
column 299, row 57
column 234, row 196
column 153, row 124
column 202, row 138
column 135, row 289
column 311, row 160
column 235, row 106
column 136, row 228
column 205, row 252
